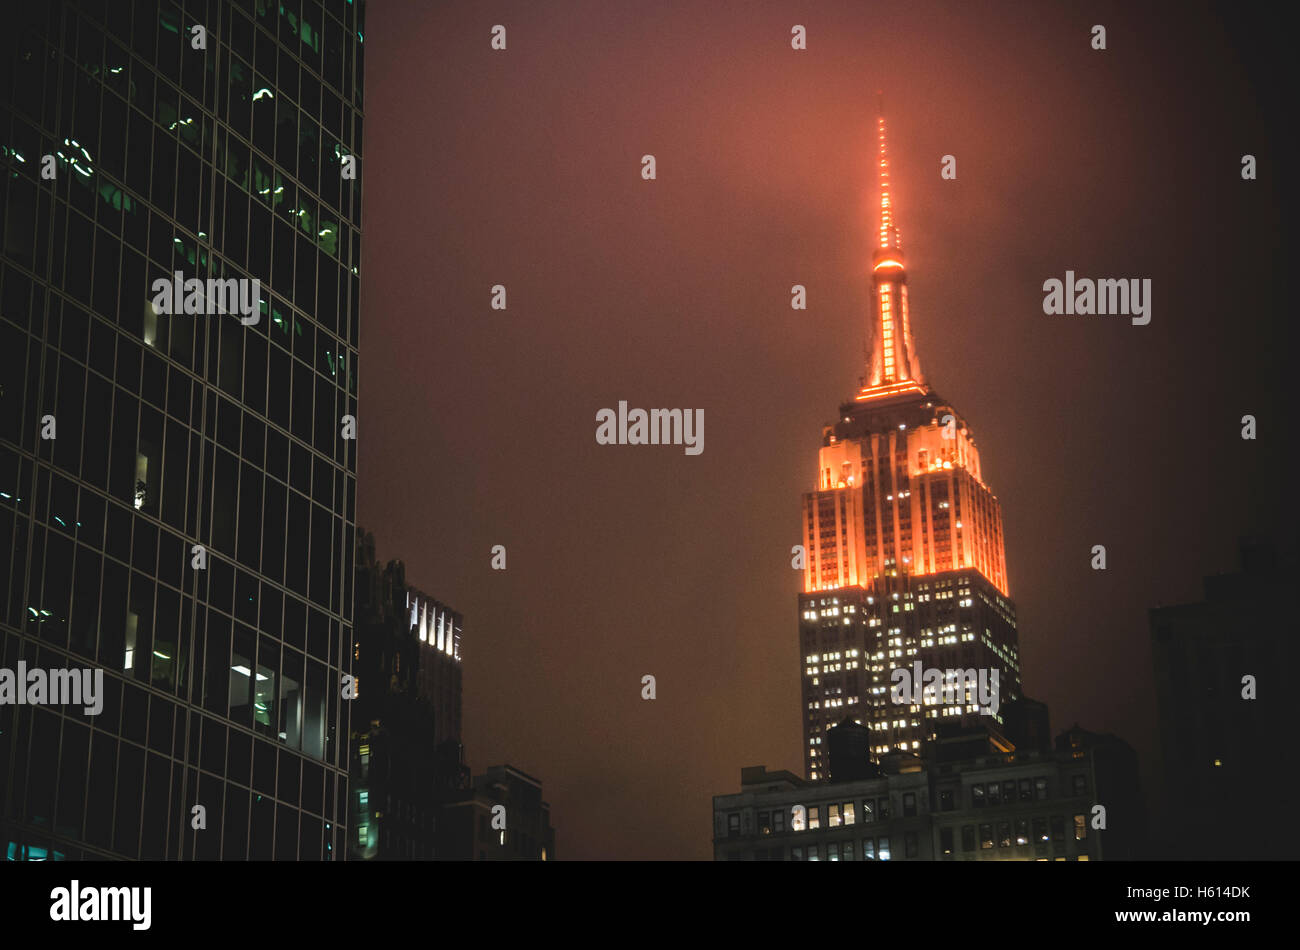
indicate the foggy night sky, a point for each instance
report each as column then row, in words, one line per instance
column 477, row 427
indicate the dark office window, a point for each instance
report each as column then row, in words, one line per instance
column 130, row 788
column 213, row 758
column 286, row 833
column 945, row 840
column 733, row 825
column 977, row 796
column 968, row 837
column 157, row 792
column 909, row 804
column 264, row 767
column 72, row 779
column 910, row 845
column 103, row 774
column 261, row 830
column 239, row 758
column 235, row 825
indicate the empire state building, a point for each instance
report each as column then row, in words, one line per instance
column 903, row 537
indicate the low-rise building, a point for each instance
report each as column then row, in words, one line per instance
column 972, row 796
column 502, row 818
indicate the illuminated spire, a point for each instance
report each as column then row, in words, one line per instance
column 889, row 237
column 894, row 367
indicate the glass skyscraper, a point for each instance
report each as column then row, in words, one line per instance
column 177, row 489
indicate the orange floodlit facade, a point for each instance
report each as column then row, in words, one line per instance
column 906, row 497
column 904, row 554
